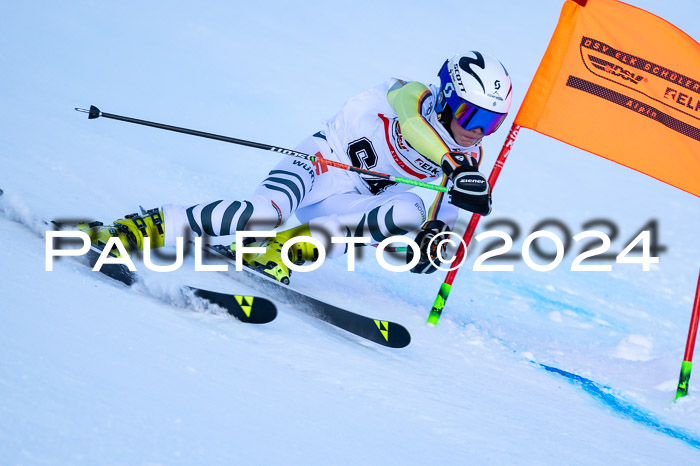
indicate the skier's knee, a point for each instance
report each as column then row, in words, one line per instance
column 407, row 211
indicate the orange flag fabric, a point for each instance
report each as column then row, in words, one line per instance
column 623, row 84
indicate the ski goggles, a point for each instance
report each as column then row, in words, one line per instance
column 469, row 116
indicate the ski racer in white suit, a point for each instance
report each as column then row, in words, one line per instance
column 401, row 128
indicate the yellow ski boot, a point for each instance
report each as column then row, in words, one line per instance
column 270, row 262
column 130, row 230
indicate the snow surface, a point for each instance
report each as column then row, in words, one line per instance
column 525, row 367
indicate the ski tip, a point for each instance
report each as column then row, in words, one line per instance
column 248, row 309
column 401, row 338
column 392, row 334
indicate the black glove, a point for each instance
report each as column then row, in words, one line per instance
column 470, row 190
column 427, row 250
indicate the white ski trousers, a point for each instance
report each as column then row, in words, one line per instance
column 325, row 197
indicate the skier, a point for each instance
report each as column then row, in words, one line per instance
column 402, row 128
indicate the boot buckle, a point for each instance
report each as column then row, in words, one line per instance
column 139, row 222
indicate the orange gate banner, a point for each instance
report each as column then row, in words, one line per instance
column 623, row 84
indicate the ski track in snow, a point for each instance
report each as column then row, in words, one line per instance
column 170, row 292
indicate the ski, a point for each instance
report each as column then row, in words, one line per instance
column 379, row 331
column 248, row 309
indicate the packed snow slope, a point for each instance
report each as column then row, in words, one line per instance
column 525, row 367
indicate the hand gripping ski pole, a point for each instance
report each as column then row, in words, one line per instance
column 95, row 112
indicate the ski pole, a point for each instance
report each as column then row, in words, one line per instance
column 95, row 112
column 446, row 286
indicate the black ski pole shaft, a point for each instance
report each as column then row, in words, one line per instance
column 95, row 112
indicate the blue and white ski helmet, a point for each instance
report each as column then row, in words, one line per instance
column 477, row 89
